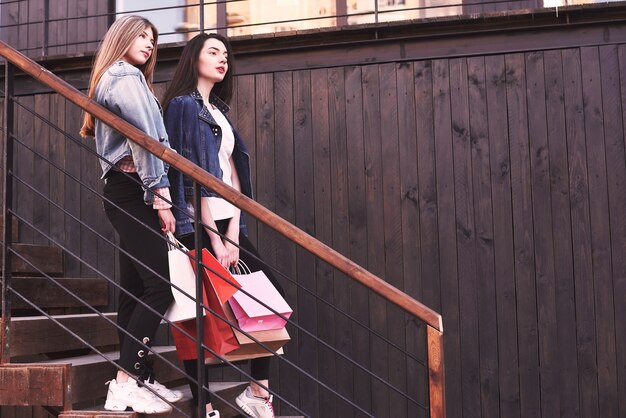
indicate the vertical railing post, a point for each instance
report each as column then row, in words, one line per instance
column 376, row 11
column 222, row 22
column 341, row 6
column 111, row 10
column 7, row 221
column 46, row 27
column 199, row 292
column 201, row 16
column 436, row 377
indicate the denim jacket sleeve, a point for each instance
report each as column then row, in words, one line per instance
column 174, row 124
column 129, row 97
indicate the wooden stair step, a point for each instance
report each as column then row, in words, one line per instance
column 14, row 230
column 46, row 258
column 90, row 373
column 32, row 335
column 227, row 390
column 35, row 384
column 185, row 407
column 46, row 294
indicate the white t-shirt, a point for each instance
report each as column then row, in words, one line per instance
column 221, row 208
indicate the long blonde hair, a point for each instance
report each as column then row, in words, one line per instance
column 113, row 47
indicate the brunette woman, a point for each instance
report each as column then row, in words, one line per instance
column 134, row 179
column 195, row 117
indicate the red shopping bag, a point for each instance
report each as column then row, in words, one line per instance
column 223, row 282
column 218, row 335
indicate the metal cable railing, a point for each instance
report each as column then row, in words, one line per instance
column 92, row 347
column 340, row 14
column 205, row 307
column 300, row 287
column 260, row 213
column 378, row 378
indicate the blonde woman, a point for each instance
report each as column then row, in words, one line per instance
column 121, row 81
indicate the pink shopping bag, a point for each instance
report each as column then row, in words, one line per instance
column 251, row 315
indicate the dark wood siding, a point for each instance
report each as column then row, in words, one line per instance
column 490, row 186
column 489, row 179
column 70, row 26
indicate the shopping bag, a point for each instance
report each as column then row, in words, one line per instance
column 218, row 335
column 252, row 315
column 248, row 348
column 224, row 283
column 182, row 275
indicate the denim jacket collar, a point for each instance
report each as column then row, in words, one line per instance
column 213, row 99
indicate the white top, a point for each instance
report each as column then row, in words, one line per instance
column 221, row 208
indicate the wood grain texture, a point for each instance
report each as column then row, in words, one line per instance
column 436, row 373
column 373, row 166
column 561, row 231
column 27, row 333
column 616, row 160
column 523, row 241
column 37, row 259
column 446, row 231
column 581, row 232
column 504, row 264
column 600, row 231
column 284, row 199
column 47, row 294
column 503, row 211
column 30, row 385
column 305, row 219
column 359, row 301
column 323, row 231
column 410, row 232
column 542, row 223
column 486, row 279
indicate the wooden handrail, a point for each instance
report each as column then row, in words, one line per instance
column 274, row 221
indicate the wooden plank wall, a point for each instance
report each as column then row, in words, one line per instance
column 489, row 187
column 74, row 26
column 490, row 6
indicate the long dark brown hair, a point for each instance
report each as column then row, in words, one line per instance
column 185, row 79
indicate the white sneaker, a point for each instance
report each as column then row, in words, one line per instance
column 213, row 414
column 124, row 395
column 254, row 406
column 169, row 394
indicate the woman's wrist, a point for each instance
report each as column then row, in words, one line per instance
column 214, row 238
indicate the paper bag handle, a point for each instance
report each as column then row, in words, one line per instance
column 174, row 244
column 240, row 268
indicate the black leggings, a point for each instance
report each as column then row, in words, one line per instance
column 259, row 367
column 144, row 246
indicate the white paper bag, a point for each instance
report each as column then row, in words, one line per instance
column 182, row 275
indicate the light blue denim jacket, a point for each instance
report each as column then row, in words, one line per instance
column 124, row 91
column 197, row 136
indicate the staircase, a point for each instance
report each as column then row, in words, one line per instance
column 346, row 376
column 48, row 351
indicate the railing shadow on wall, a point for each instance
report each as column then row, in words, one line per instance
column 433, row 320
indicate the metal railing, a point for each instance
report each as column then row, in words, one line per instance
column 433, row 320
column 44, row 29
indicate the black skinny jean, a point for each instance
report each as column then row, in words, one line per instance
column 146, row 247
column 259, row 367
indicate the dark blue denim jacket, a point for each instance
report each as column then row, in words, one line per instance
column 195, row 135
column 124, row 91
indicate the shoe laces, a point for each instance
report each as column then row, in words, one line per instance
column 156, row 384
column 158, row 387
